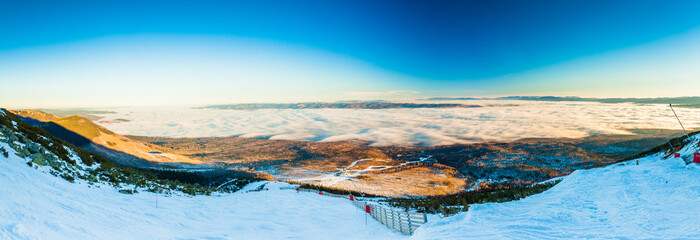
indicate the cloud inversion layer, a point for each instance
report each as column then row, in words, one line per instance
column 496, row 121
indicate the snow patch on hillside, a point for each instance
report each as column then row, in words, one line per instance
column 37, row 205
column 658, row 199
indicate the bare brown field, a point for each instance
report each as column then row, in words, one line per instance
column 412, row 170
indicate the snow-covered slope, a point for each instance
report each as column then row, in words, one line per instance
column 37, row 205
column 658, row 199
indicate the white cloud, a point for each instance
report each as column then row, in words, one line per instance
column 496, row 122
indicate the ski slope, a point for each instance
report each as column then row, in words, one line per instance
column 657, row 199
column 37, row 205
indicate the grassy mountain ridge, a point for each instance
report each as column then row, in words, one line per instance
column 36, row 115
column 101, row 140
column 60, row 158
column 82, row 126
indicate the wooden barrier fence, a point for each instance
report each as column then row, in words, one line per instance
column 403, row 221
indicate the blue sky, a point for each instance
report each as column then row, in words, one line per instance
column 201, row 52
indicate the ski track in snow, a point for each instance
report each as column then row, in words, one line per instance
column 36, row 205
column 657, row 199
column 331, row 179
column 374, row 167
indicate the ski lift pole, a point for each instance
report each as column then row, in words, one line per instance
column 447, row 207
column 669, row 142
column 310, row 184
column 679, row 120
column 341, row 181
column 344, row 185
column 358, row 190
column 353, row 184
column 692, row 141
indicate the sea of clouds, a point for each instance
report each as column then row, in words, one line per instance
column 498, row 120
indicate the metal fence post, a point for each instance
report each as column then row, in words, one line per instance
column 384, row 216
column 393, row 220
column 408, row 218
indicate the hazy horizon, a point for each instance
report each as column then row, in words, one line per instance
column 160, row 53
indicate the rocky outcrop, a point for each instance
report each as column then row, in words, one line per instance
column 37, row 153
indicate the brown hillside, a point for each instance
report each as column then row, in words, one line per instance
column 108, row 139
column 36, row 115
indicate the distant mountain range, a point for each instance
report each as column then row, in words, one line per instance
column 340, row 105
column 690, row 102
column 91, row 114
column 680, row 101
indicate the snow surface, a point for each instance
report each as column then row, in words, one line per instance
column 658, row 199
column 36, row 205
